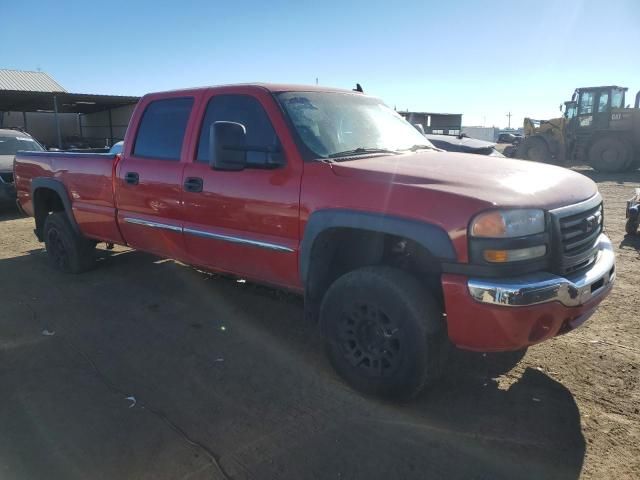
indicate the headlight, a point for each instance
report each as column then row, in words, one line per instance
column 508, row 223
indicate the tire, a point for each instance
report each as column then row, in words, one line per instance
column 67, row 251
column 631, row 227
column 535, row 149
column 384, row 332
column 635, row 162
column 610, row 155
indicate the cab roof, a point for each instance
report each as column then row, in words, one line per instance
column 270, row 87
column 11, row 132
column 605, row 87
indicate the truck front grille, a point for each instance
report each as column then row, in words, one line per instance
column 6, row 177
column 578, row 233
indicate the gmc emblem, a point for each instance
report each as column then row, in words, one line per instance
column 589, row 224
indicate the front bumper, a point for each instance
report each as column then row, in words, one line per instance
column 510, row 314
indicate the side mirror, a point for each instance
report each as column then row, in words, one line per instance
column 227, row 149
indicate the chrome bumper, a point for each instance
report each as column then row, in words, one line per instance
column 533, row 289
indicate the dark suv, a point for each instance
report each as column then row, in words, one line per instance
column 10, row 142
column 509, row 137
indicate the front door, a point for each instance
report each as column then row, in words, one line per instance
column 602, row 113
column 245, row 222
column 149, row 178
column 585, row 111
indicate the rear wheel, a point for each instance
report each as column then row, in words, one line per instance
column 610, row 155
column 384, row 332
column 535, row 149
column 67, row 250
column 631, row 226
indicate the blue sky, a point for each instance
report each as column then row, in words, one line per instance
column 479, row 58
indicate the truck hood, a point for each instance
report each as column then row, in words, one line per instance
column 494, row 180
column 6, row 163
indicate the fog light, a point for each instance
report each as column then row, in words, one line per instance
column 502, row 256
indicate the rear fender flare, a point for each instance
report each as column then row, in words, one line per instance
column 61, row 190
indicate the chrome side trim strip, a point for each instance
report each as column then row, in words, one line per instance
column 244, row 241
column 533, row 289
column 147, row 223
column 205, row 234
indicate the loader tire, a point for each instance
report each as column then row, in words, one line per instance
column 610, row 155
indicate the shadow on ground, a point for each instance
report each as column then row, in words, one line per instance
column 226, row 380
column 631, row 241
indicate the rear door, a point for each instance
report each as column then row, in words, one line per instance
column 149, row 176
column 244, row 222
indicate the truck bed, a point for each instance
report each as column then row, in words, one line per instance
column 88, row 182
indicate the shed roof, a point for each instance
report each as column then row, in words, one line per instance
column 24, row 81
column 16, row 101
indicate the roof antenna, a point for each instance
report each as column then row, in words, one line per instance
column 358, row 88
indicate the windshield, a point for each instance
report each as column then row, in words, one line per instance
column 331, row 124
column 10, row 145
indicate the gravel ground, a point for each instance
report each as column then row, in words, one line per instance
column 146, row 368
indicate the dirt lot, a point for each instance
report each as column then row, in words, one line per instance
column 144, row 368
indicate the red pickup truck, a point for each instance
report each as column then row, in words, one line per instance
column 399, row 249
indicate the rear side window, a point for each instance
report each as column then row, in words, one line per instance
column 247, row 111
column 162, row 129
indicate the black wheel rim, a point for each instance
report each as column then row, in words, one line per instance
column 370, row 340
column 56, row 249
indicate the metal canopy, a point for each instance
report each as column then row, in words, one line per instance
column 21, row 101
column 26, row 81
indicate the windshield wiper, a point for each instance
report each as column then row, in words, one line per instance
column 360, row 151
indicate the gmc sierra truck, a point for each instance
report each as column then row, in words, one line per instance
column 399, row 249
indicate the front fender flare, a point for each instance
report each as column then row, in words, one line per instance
column 432, row 237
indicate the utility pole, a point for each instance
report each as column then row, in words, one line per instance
column 509, row 115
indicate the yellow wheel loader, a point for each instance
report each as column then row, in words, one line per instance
column 596, row 129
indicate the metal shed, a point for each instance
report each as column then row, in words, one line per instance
column 437, row 123
column 24, row 92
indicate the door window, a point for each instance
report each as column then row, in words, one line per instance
column 245, row 110
column 617, row 99
column 586, row 103
column 162, row 128
column 603, row 103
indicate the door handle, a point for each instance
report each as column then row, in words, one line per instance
column 132, row 178
column 193, row 184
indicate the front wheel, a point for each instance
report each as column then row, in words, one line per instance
column 535, row 149
column 384, row 332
